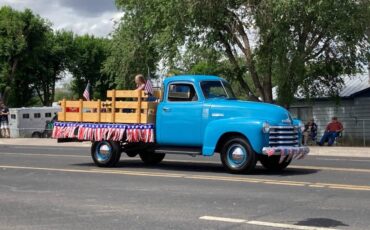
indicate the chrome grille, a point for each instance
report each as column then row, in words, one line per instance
column 283, row 136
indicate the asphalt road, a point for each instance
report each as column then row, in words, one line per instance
column 60, row 188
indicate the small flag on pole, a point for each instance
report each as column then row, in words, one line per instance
column 86, row 93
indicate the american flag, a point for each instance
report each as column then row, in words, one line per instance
column 149, row 87
column 86, row 93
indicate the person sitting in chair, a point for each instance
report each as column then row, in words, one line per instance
column 310, row 131
column 332, row 131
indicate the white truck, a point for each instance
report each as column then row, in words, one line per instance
column 33, row 122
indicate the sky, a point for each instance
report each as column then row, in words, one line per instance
column 96, row 17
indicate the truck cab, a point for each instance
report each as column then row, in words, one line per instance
column 202, row 113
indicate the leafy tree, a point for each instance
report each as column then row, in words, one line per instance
column 86, row 63
column 52, row 61
column 132, row 51
column 33, row 58
column 22, row 34
column 288, row 43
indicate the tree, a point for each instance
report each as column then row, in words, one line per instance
column 86, row 64
column 288, row 43
column 33, row 58
column 131, row 51
column 48, row 67
column 22, row 36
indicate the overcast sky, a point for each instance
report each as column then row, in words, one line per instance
column 81, row 16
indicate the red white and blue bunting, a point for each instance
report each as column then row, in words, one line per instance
column 99, row 132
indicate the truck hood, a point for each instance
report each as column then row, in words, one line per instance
column 273, row 114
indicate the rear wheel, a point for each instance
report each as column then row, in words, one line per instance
column 272, row 163
column 105, row 153
column 131, row 154
column 151, row 158
column 237, row 155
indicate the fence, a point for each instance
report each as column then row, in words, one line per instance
column 356, row 132
column 125, row 106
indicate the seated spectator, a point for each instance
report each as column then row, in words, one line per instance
column 332, row 131
column 310, row 131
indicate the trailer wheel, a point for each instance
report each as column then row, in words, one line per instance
column 272, row 163
column 46, row 134
column 36, row 135
column 237, row 155
column 105, row 153
column 151, row 158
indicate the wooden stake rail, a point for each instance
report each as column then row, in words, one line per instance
column 124, row 106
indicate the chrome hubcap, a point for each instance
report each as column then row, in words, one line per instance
column 103, row 152
column 237, row 155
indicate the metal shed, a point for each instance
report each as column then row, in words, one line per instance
column 353, row 110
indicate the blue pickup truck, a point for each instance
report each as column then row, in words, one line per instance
column 200, row 115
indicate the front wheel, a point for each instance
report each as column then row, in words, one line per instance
column 105, row 153
column 151, row 158
column 237, row 155
column 272, row 163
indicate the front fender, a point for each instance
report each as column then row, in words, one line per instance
column 252, row 130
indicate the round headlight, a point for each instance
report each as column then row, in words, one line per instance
column 301, row 126
column 265, row 127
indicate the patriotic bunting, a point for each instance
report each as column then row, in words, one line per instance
column 286, row 154
column 99, row 132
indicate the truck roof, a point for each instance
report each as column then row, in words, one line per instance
column 192, row 78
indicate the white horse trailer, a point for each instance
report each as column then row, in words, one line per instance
column 31, row 122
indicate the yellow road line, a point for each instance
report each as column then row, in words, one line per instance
column 289, row 167
column 330, row 168
column 316, row 186
column 284, row 183
column 201, row 162
column 44, row 155
column 199, row 177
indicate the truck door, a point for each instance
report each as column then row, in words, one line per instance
column 179, row 116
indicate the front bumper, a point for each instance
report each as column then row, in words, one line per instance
column 292, row 152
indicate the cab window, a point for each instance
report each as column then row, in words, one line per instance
column 216, row 89
column 182, row 92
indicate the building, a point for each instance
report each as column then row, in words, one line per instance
column 352, row 109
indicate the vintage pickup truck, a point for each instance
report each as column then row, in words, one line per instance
column 196, row 115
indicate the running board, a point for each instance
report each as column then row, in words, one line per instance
column 180, row 150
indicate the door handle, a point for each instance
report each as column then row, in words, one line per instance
column 166, row 109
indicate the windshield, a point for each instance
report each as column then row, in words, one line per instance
column 217, row 89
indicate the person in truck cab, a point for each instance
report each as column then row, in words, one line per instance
column 332, row 131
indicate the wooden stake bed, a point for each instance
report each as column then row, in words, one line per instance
column 124, row 107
